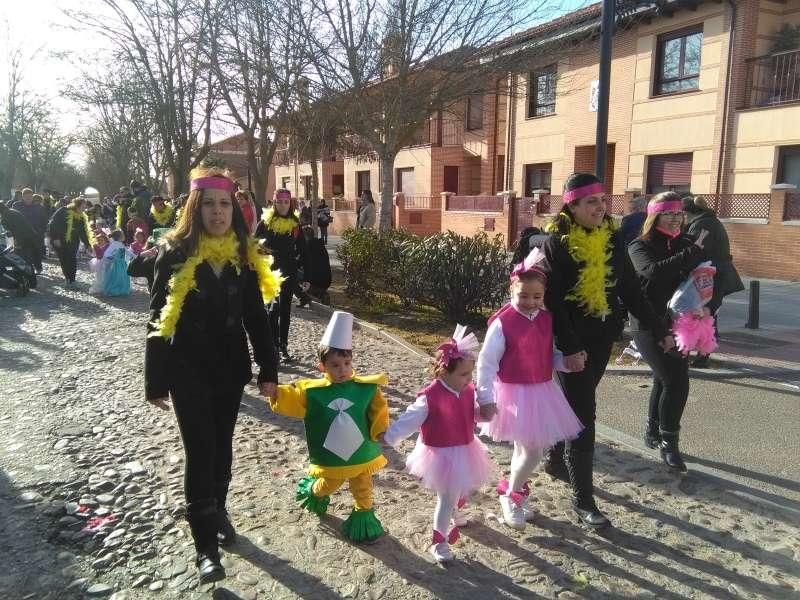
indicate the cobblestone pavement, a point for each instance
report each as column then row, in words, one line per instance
column 91, row 501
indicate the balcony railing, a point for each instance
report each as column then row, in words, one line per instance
column 452, row 133
column 475, row 203
column 774, row 79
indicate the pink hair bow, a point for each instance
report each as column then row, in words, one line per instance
column 461, row 346
column 531, row 263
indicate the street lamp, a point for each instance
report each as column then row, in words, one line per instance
column 611, row 11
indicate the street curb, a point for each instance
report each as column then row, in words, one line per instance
column 636, row 445
column 376, row 331
column 373, row 330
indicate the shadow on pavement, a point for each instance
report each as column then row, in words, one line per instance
column 303, row 584
column 462, row 580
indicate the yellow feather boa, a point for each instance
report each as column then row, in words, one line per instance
column 591, row 250
column 70, row 223
column 120, row 216
column 218, row 252
column 278, row 224
column 161, row 217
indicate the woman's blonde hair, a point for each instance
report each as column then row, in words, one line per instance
column 186, row 233
column 651, row 220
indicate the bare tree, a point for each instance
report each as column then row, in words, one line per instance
column 393, row 63
column 256, row 54
column 123, row 142
column 161, row 43
column 44, row 149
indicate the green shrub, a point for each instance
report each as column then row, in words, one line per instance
column 462, row 275
column 358, row 252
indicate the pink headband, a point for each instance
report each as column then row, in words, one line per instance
column 521, row 269
column 212, row 183
column 582, row 192
column 665, row 206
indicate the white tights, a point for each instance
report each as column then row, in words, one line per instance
column 523, row 462
column 445, row 503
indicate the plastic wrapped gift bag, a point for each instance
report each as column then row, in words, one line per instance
column 695, row 292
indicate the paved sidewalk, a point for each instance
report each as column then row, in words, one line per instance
column 77, row 442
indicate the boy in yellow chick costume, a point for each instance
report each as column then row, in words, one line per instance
column 343, row 415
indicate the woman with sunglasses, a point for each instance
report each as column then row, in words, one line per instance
column 663, row 257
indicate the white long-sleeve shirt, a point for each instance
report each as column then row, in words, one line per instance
column 412, row 419
column 494, row 346
column 114, row 246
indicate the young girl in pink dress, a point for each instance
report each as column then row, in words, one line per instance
column 515, row 371
column 448, row 458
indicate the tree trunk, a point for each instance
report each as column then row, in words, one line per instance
column 387, row 187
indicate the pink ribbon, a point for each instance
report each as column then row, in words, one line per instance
column 450, row 352
column 582, row 192
column 665, row 206
column 212, row 183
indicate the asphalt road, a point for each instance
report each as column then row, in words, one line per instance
column 747, row 429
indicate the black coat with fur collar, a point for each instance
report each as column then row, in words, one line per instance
column 210, row 341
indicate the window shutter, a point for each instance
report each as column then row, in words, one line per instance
column 669, row 169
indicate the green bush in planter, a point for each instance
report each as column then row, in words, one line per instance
column 396, row 265
column 461, row 275
column 358, row 253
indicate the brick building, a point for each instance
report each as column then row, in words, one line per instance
column 705, row 96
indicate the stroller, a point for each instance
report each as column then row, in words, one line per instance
column 16, row 273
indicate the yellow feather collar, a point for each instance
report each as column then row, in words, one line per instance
column 592, row 251
column 161, row 217
column 279, row 224
column 70, row 223
column 217, row 252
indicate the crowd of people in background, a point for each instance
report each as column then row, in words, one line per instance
column 119, row 233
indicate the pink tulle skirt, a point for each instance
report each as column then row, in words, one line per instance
column 454, row 469
column 536, row 415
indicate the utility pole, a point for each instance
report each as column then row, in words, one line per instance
column 601, row 138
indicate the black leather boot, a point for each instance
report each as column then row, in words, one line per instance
column 670, row 453
column 580, row 466
column 226, row 534
column 553, row 463
column 203, row 523
column 652, row 436
column 285, row 356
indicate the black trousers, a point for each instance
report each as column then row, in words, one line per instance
column 281, row 312
column 206, row 418
column 579, row 388
column 323, row 234
column 670, row 382
column 31, row 252
column 68, row 257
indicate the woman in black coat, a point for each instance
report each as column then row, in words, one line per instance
column 67, row 229
column 588, row 280
column 207, row 298
column 663, row 258
column 280, row 229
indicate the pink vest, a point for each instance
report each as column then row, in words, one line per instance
column 451, row 420
column 529, row 346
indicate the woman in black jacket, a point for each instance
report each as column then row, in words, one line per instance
column 280, row 228
column 67, row 229
column 663, row 257
column 207, row 298
column 588, row 280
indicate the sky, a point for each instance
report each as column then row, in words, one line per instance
column 56, row 53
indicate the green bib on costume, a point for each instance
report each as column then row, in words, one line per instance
column 337, row 427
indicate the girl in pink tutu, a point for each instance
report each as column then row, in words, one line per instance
column 448, row 458
column 515, row 371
